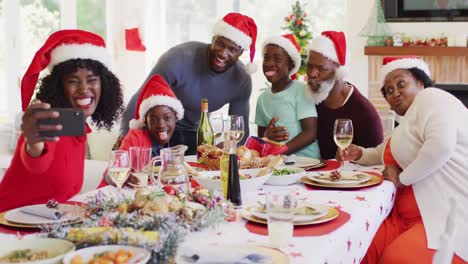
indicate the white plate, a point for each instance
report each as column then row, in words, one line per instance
column 363, row 178
column 69, row 213
column 322, row 211
column 56, row 248
column 88, row 253
column 287, row 179
column 304, row 162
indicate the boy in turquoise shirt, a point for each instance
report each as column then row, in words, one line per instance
column 286, row 99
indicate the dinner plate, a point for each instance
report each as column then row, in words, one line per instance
column 362, row 177
column 142, row 255
column 321, row 210
column 70, row 213
column 277, row 257
column 55, row 248
column 332, row 213
column 374, row 180
column 305, row 162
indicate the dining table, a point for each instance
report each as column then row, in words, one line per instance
column 362, row 211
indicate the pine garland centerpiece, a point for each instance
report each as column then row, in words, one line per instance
column 157, row 221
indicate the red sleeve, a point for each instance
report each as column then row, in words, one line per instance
column 37, row 165
column 135, row 138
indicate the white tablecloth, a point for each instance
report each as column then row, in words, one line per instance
column 348, row 244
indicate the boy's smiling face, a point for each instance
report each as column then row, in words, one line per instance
column 276, row 63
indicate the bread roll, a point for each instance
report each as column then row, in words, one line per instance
column 254, row 153
column 244, row 153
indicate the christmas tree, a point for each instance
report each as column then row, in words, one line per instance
column 376, row 29
column 297, row 24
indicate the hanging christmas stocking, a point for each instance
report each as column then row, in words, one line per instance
column 133, row 40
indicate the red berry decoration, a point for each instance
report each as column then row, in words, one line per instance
column 170, row 190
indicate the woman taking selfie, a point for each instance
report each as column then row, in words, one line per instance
column 45, row 166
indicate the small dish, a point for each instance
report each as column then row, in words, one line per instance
column 55, row 249
column 87, row 254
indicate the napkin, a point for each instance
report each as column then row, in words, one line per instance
column 265, row 146
column 350, row 177
column 220, row 254
column 42, row 211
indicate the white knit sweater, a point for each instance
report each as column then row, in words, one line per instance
column 431, row 146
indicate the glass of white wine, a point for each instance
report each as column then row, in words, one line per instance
column 119, row 167
column 217, row 124
column 343, row 133
column 234, row 128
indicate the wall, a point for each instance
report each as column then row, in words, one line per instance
column 358, row 12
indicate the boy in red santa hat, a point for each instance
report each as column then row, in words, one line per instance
column 158, row 110
column 42, row 167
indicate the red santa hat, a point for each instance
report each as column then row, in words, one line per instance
column 403, row 62
column 155, row 92
column 61, row 46
column 242, row 30
column 289, row 44
column 332, row 44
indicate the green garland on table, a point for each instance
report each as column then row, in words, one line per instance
column 116, row 221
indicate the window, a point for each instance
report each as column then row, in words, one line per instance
column 91, row 16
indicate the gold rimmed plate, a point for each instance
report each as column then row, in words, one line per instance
column 374, row 180
column 332, row 213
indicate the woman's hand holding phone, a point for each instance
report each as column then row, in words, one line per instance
column 31, row 127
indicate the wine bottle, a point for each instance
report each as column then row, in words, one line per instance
column 204, row 132
column 230, row 173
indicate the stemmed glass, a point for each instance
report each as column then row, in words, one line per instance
column 234, row 128
column 217, row 124
column 119, row 167
column 343, row 133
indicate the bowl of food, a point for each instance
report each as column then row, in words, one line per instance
column 285, row 175
column 35, row 250
column 108, row 254
column 250, row 180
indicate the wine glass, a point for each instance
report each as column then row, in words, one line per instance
column 234, row 128
column 119, row 167
column 217, row 124
column 343, row 133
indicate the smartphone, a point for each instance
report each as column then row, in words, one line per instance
column 72, row 121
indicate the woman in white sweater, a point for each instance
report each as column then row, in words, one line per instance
column 427, row 160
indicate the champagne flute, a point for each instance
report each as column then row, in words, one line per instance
column 234, row 128
column 119, row 167
column 217, row 124
column 343, row 133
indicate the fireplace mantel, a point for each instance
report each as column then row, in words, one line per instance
column 420, row 51
column 448, row 65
